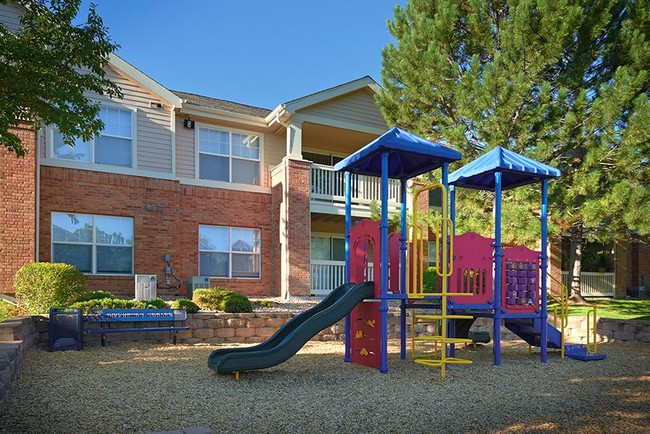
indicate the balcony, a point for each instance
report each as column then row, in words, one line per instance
column 328, row 275
column 328, row 192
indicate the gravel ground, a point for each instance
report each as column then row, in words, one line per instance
column 136, row 388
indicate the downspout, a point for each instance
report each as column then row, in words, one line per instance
column 37, row 198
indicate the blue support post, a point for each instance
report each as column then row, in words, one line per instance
column 543, row 267
column 348, row 225
column 402, row 270
column 452, row 208
column 498, row 254
column 383, row 227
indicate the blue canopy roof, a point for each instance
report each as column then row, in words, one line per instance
column 516, row 170
column 408, row 155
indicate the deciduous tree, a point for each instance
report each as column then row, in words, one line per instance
column 48, row 67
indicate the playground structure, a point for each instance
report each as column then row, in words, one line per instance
column 477, row 276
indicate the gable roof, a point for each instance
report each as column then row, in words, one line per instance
column 330, row 93
column 144, row 80
column 516, row 170
column 408, row 155
column 220, row 104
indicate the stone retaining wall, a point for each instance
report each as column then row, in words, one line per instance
column 17, row 336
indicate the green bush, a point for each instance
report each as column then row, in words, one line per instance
column 210, row 298
column 109, row 303
column 94, row 295
column 236, row 303
column 264, row 303
column 430, row 281
column 184, row 303
column 156, row 303
column 42, row 285
column 8, row 310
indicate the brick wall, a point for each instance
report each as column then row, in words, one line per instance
column 298, row 227
column 18, row 210
column 169, row 227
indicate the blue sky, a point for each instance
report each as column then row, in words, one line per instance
column 255, row 52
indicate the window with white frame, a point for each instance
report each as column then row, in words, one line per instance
column 113, row 146
column 229, row 252
column 95, row 244
column 228, row 156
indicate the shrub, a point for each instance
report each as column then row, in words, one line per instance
column 94, row 295
column 210, row 298
column 109, row 303
column 42, row 285
column 235, row 303
column 184, row 303
column 8, row 310
column 264, row 303
column 430, row 281
column 156, row 303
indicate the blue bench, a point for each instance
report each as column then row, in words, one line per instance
column 106, row 317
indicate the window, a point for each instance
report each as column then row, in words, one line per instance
column 94, row 244
column 229, row 252
column 327, row 248
column 113, row 146
column 229, row 156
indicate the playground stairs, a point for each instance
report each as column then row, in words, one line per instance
column 530, row 330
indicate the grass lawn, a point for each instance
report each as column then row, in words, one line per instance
column 617, row 308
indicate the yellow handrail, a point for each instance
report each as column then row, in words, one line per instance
column 444, row 244
column 563, row 302
column 592, row 347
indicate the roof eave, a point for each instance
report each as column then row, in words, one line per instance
column 223, row 115
column 143, row 79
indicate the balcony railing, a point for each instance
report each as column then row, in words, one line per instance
column 594, row 284
column 328, row 188
column 327, row 275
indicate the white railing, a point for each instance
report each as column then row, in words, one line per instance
column 594, row 284
column 328, row 186
column 327, row 275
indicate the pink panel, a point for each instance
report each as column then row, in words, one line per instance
column 520, row 286
column 363, row 234
column 393, row 263
column 473, row 269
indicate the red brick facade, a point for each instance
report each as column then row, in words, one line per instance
column 293, row 218
column 632, row 265
column 170, row 227
column 18, row 210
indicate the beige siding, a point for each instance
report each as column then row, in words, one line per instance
column 153, row 125
column 358, row 107
column 184, row 150
column 10, row 16
column 274, row 149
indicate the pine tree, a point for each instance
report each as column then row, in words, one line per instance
column 566, row 82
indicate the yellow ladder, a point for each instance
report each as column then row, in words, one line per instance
column 560, row 311
column 444, row 267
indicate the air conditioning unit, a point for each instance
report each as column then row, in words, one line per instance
column 196, row 282
column 145, row 286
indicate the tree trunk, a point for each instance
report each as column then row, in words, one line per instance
column 575, row 264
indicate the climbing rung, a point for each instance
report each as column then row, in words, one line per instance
column 437, row 316
column 443, row 339
column 451, row 294
column 436, row 363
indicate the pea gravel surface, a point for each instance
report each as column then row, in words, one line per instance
column 138, row 388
